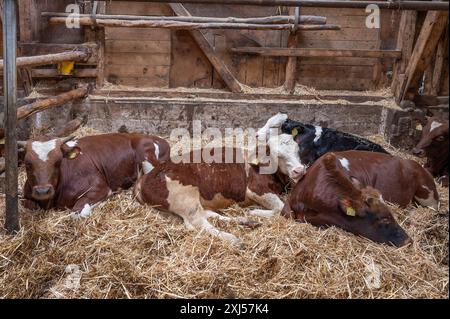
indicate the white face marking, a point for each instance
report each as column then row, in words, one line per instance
column 71, row 143
column 345, row 163
column 156, row 150
column 435, row 125
column 382, row 199
column 42, row 149
column 318, row 133
column 286, row 149
column 430, row 201
column 274, row 121
column 147, row 167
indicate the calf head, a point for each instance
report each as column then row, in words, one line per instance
column 434, row 140
column 285, row 151
column 365, row 213
column 42, row 162
column 274, row 122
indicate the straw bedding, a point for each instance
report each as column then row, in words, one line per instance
column 125, row 250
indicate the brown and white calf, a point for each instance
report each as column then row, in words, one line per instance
column 434, row 146
column 78, row 174
column 328, row 195
column 194, row 191
column 400, row 181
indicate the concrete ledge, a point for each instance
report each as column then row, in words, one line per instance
column 160, row 115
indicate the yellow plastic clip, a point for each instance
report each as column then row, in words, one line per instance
column 66, row 67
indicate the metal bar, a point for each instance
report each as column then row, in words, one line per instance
column 10, row 94
column 397, row 5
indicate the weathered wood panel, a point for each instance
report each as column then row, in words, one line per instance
column 137, row 57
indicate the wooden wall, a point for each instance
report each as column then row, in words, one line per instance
column 163, row 58
column 138, row 57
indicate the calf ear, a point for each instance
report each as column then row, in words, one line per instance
column 70, row 152
column 345, row 204
column 356, row 182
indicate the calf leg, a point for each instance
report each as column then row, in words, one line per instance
column 240, row 220
column 83, row 206
column 267, row 200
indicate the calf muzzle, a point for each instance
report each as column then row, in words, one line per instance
column 43, row 192
column 418, row 152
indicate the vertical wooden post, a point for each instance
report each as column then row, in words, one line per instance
column 291, row 64
column 10, row 119
column 100, row 40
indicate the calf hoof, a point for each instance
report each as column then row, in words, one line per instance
column 251, row 224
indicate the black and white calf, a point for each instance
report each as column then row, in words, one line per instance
column 314, row 141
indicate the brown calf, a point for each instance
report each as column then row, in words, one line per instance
column 77, row 174
column 195, row 190
column 328, row 196
column 434, row 146
column 400, row 181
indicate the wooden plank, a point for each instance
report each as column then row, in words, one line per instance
column 100, row 38
column 290, row 52
column 138, row 8
column 349, row 73
column 114, row 33
column 291, row 65
column 204, row 45
column 337, row 44
column 189, row 66
column 53, row 73
column 441, row 52
column 122, row 46
column 139, row 82
column 138, row 70
column 405, row 43
column 427, row 41
column 337, row 83
column 118, row 58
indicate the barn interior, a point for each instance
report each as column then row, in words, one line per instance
column 153, row 66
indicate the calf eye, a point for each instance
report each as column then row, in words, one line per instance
column 440, row 138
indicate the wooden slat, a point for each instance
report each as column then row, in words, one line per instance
column 265, row 51
column 441, row 52
column 291, row 65
column 139, row 34
column 427, row 41
column 204, row 45
column 405, row 43
column 51, row 73
column 121, row 46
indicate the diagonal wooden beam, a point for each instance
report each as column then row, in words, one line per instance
column 432, row 28
column 225, row 73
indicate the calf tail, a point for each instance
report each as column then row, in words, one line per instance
column 329, row 161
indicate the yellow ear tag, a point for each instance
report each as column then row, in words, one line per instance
column 294, row 132
column 72, row 155
column 2, row 141
column 350, row 211
column 419, row 127
column 66, row 67
column 255, row 161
